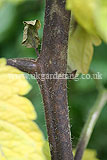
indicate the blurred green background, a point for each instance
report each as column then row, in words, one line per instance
column 81, row 94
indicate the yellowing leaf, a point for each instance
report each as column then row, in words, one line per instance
column 20, row 137
column 68, row 4
column 12, row 76
column 84, row 15
column 46, row 150
column 91, row 15
column 30, row 35
column 89, row 155
column 80, row 50
column 101, row 18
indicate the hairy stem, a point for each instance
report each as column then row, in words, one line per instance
column 90, row 123
column 53, row 60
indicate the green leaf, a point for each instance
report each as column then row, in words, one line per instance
column 80, row 49
column 16, row 2
column 91, row 15
column 30, row 35
column 7, row 16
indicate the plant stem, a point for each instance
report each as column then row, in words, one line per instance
column 24, row 64
column 90, row 123
column 53, row 60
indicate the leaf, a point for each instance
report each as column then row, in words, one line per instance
column 80, row 50
column 83, row 15
column 9, row 11
column 92, row 17
column 16, row 2
column 20, row 137
column 101, row 18
column 46, row 150
column 89, row 155
column 30, row 35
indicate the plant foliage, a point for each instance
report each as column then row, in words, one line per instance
column 20, row 137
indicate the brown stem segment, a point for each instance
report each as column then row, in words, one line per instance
column 24, row 64
column 54, row 59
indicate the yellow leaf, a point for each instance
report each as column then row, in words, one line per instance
column 80, row 50
column 83, row 15
column 101, row 18
column 89, row 154
column 20, row 137
column 91, row 15
column 46, row 150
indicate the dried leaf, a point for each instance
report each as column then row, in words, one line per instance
column 30, row 35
